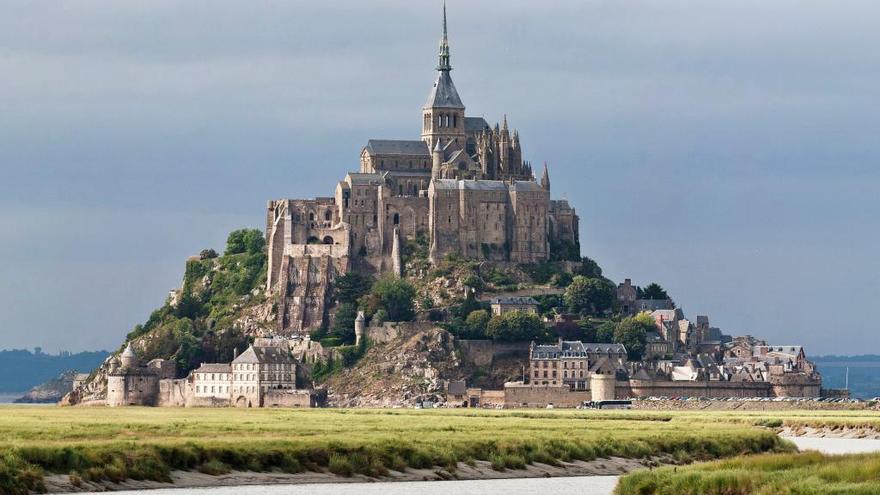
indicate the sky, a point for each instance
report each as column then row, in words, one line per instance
column 726, row 150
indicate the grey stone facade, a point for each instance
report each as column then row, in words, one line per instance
column 463, row 187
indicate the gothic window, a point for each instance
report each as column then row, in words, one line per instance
column 396, row 219
column 327, row 215
column 455, row 121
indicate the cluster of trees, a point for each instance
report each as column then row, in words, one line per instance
column 589, row 296
column 388, row 299
column 631, row 331
column 652, row 291
column 200, row 327
column 472, row 320
column 513, row 326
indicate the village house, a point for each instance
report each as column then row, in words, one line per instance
column 504, row 305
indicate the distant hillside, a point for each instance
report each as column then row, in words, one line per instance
column 21, row 370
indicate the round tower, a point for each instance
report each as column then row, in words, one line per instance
column 436, row 160
column 602, row 386
column 128, row 358
column 113, row 364
column 359, row 323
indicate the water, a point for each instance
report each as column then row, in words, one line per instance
column 590, row 485
column 8, row 397
column 837, row 445
column 864, row 376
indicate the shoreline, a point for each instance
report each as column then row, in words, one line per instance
column 843, row 432
column 481, row 470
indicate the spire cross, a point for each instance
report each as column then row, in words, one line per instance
column 444, row 46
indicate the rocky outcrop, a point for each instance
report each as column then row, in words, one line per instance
column 401, row 372
column 50, row 392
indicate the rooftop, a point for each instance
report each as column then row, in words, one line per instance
column 514, row 300
column 397, row 147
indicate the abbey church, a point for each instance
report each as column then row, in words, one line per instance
column 463, row 188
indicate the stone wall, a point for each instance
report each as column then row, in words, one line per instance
column 132, row 389
column 645, row 388
column 483, row 352
column 173, row 393
column 289, row 398
column 519, row 395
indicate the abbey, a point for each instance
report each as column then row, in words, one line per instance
column 463, row 188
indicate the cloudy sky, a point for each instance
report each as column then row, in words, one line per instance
column 727, row 150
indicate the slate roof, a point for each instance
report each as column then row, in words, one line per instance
column 443, row 93
column 527, row 186
column 397, row 147
column 653, row 304
column 475, row 124
column 364, row 179
column 264, row 355
column 513, row 300
column 214, row 368
column 482, row 185
column 575, row 349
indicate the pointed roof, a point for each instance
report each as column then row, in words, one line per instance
column 444, row 94
column 263, row 355
column 129, row 352
column 545, row 178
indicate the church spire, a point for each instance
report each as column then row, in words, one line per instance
column 545, row 178
column 444, row 46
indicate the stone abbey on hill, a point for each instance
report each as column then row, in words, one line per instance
column 463, row 188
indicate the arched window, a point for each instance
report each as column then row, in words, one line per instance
column 455, row 120
column 396, row 219
column 328, row 240
column 327, row 215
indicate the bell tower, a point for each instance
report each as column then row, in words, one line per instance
column 443, row 113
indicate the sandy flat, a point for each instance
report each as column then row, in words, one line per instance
column 479, row 471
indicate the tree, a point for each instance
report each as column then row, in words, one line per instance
column 605, row 332
column 343, row 325
column 396, row 296
column 632, row 332
column 476, row 322
column 589, row 268
column 352, row 286
column 589, row 295
column 245, row 241
column 653, row 291
column 588, row 330
column 207, row 254
column 562, row 279
column 516, row 326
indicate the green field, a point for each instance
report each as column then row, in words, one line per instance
column 148, row 443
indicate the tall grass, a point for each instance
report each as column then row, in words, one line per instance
column 98, row 444
column 772, row 474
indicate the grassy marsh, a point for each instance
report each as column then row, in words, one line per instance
column 772, row 474
column 148, row 443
